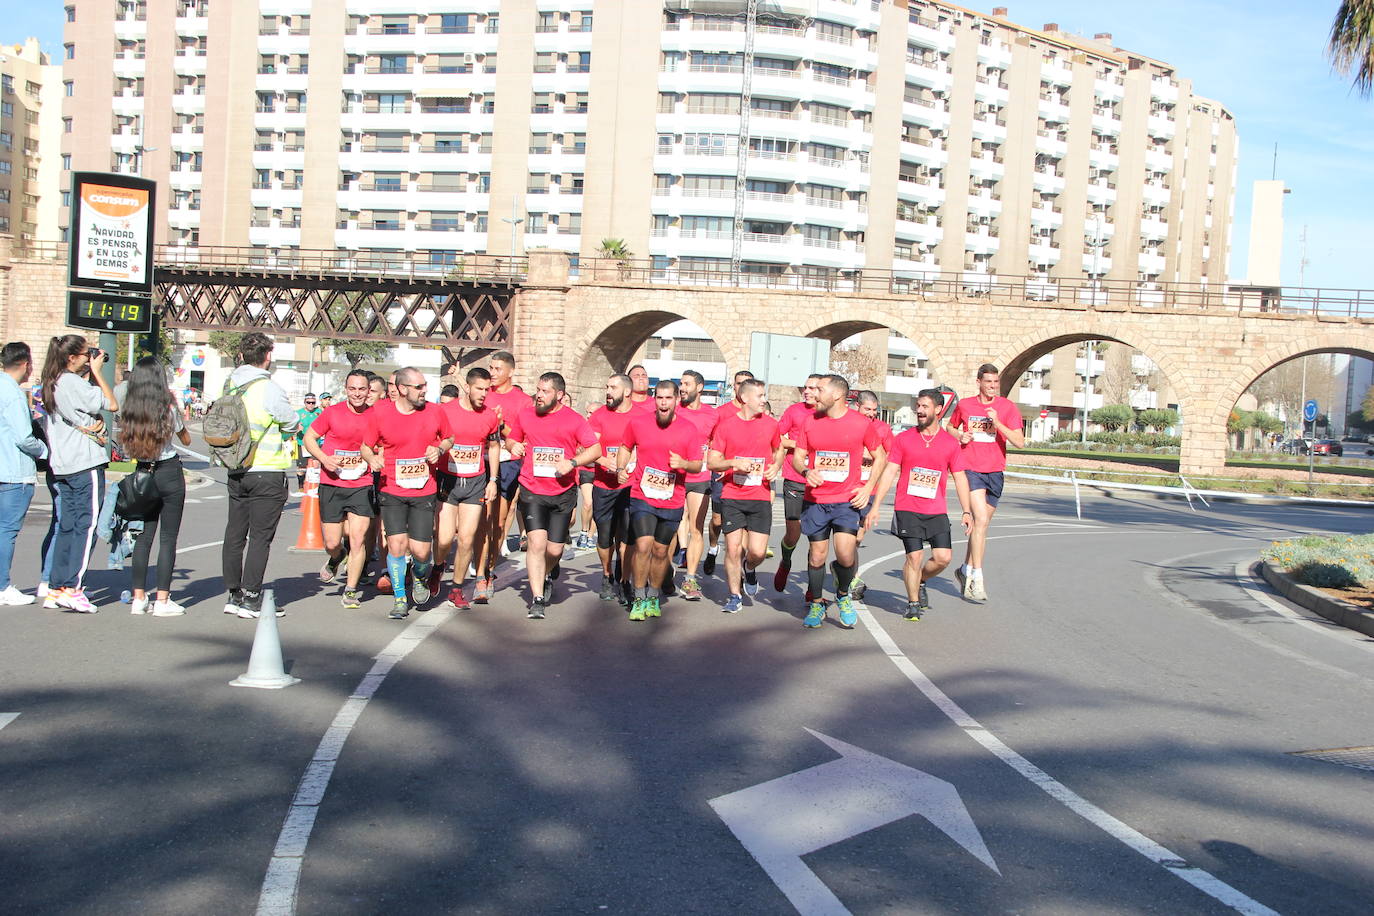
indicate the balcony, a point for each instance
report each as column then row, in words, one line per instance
column 1161, row 125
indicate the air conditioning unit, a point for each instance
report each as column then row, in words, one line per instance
column 913, row 362
column 469, row 58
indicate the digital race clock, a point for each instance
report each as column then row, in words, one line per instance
column 116, row 314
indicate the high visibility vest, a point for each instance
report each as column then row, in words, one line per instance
column 271, row 454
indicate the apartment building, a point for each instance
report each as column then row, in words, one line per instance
column 915, row 136
column 30, row 141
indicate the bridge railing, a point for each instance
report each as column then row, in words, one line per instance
column 945, row 285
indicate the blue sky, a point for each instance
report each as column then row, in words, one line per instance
column 1264, row 60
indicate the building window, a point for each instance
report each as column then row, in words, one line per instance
column 71, row 13
column 6, row 109
column 493, row 26
column 67, row 88
column 69, row 52
column 66, row 125
column 455, row 23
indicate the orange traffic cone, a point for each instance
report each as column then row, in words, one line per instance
column 311, row 537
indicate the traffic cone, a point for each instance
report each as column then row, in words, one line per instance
column 311, row 537
column 265, row 668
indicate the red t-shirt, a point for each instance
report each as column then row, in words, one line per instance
column 470, row 430
column 884, row 439
column 835, row 446
column 609, row 426
column 646, row 404
column 560, row 434
column 704, row 419
column 653, row 480
column 790, row 424
column 757, row 439
column 987, row 452
column 404, row 439
column 925, row 469
column 507, row 407
column 341, row 433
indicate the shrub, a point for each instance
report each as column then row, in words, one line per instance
column 1336, row 562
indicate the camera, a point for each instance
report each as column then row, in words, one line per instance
column 93, row 352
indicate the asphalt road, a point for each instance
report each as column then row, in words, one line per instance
column 1114, row 731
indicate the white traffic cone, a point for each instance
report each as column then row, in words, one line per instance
column 265, row 668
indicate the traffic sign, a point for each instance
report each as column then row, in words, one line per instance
column 1309, row 410
column 1044, row 414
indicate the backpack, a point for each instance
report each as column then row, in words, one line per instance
column 228, row 431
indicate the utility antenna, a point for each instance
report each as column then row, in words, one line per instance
column 1302, row 258
column 1274, row 170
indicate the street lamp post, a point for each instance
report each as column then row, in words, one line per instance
column 515, row 222
column 1096, row 243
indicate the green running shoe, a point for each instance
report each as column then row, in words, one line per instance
column 637, row 610
column 400, row 610
column 651, row 608
column 848, row 616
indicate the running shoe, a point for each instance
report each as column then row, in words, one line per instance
column 963, row 581
column 77, row 601
column 708, row 565
column 250, row 605
column 556, row 569
column 13, row 597
column 923, row 597
column 780, row 577
column 538, row 607
column 168, row 608
column 680, row 558
column 607, row 592
column 524, row 543
column 547, row 595
column 768, row 554
column 751, row 582
column 733, row 604
column 913, row 611
column 419, row 588
column 626, row 594
column 351, row 600
column 652, row 609
column 848, row 616
column 234, row 602
column 436, row 578
column 976, row 590
column 691, row 589
column 637, row 609
column 330, row 569
column 139, row 606
column 857, row 589
column 56, row 599
column 457, row 599
column 400, row 609
column 815, row 614
column 483, row 590
column 669, row 587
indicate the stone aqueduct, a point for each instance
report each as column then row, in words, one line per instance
column 1209, row 355
column 587, row 325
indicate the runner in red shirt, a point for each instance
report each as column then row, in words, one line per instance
column 690, row 532
column 411, row 433
column 746, row 448
column 984, row 424
column 640, row 397
column 666, row 449
column 508, row 400
column 345, row 484
column 830, row 450
column 611, row 498
column 553, row 441
column 922, row 461
column 868, row 404
column 475, row 453
column 793, row 483
column 734, row 405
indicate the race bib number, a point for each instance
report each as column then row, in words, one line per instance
column 612, row 451
column 866, row 469
column 922, row 483
column 657, row 484
column 506, row 455
column 982, row 429
column 465, row 460
column 412, row 473
column 834, row 466
column 546, row 460
column 751, row 477
column 351, row 465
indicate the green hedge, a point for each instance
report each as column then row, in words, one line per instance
column 1337, row 562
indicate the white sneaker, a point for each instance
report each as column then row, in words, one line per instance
column 138, row 606
column 976, row 590
column 13, row 597
column 77, row 601
column 168, row 608
column 42, row 590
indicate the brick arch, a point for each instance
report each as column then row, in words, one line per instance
column 1017, row 357
column 609, row 343
column 842, row 320
column 1249, row 370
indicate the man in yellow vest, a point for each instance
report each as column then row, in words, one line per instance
column 257, row 493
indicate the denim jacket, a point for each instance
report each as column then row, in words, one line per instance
column 18, row 446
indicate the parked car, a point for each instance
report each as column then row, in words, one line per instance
column 1327, row 447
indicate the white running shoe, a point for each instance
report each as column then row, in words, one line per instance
column 139, row 605
column 168, row 608
column 13, row 597
column 77, row 601
column 976, row 590
column 42, row 590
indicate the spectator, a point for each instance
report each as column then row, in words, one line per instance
column 18, row 449
column 148, row 419
column 78, row 461
column 257, row 493
column 305, row 416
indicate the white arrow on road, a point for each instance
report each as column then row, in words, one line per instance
column 7, row 717
column 781, row 820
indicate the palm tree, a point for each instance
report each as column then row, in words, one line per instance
column 616, row 250
column 1352, row 43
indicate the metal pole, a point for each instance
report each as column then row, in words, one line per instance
column 746, row 95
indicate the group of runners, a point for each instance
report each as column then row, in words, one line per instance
column 663, row 477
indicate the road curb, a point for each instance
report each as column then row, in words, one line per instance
column 1333, row 609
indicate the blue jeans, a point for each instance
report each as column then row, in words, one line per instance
column 14, row 504
column 50, row 539
column 81, row 494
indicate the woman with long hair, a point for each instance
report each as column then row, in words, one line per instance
column 147, row 422
column 77, row 460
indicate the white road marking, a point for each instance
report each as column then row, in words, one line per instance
column 1204, row 881
column 181, row 550
column 7, row 717
column 1335, row 631
column 783, row 819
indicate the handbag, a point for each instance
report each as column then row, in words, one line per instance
column 138, row 498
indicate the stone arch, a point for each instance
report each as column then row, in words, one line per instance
column 607, row 345
column 844, row 319
column 1018, row 357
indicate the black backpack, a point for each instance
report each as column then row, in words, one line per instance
column 229, row 432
